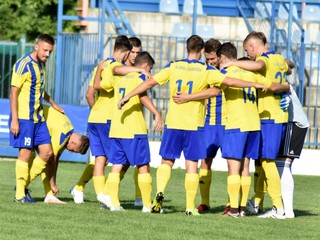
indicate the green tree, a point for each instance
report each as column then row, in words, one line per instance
column 32, row 17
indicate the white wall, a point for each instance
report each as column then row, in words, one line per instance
column 158, row 24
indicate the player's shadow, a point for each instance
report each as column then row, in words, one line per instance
column 215, row 210
column 129, row 204
column 303, row 213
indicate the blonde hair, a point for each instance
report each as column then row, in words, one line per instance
column 257, row 36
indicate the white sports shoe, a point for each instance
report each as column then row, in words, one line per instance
column 104, row 199
column 252, row 207
column 138, row 202
column 50, row 199
column 77, row 195
column 290, row 214
column 273, row 213
column 117, row 209
column 146, row 209
column 242, row 214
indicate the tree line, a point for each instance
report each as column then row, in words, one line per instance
column 32, row 17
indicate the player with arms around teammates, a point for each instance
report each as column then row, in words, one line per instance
column 273, row 120
column 184, row 123
column 91, row 96
column 242, row 134
column 128, row 133
column 214, row 124
column 100, row 117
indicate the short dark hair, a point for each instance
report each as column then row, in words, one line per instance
column 144, row 57
column 195, row 44
column 45, row 38
column 212, row 45
column 256, row 35
column 84, row 144
column 135, row 42
column 244, row 58
column 227, row 49
column 122, row 44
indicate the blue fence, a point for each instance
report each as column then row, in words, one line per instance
column 80, row 56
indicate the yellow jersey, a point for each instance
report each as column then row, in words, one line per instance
column 59, row 126
column 30, row 77
column 188, row 76
column 269, row 103
column 241, row 103
column 129, row 121
column 101, row 111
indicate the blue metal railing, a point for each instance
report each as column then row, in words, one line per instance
column 80, row 54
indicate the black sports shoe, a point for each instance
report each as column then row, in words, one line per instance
column 157, row 203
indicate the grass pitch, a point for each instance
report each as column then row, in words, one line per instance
column 87, row 221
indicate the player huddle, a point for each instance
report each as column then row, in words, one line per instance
column 239, row 106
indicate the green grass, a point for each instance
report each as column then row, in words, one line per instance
column 87, row 221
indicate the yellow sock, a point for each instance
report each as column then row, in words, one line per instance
column 245, row 184
column 113, row 183
column 85, row 177
column 22, row 175
column 191, row 185
column 205, row 176
column 46, row 183
column 260, row 186
column 233, row 185
column 98, row 183
column 145, row 184
column 135, row 178
column 163, row 177
column 36, row 169
column 273, row 182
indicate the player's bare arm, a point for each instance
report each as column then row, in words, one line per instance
column 138, row 90
column 90, row 96
column 52, row 102
column 234, row 82
column 290, row 63
column 14, row 127
column 255, row 66
column 124, row 70
column 279, row 88
column 54, row 164
column 146, row 101
column 97, row 77
column 182, row 97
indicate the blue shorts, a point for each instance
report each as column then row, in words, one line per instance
column 31, row 134
column 135, row 151
column 238, row 145
column 272, row 135
column 190, row 142
column 213, row 137
column 99, row 138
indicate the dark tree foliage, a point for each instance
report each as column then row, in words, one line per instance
column 32, row 17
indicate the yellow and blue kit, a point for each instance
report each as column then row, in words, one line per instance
column 184, row 122
column 101, row 113
column 128, row 130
